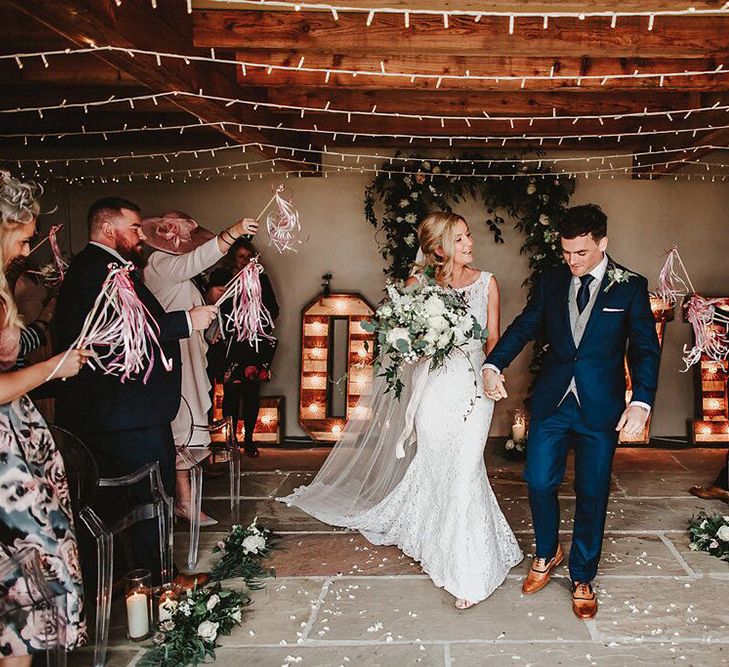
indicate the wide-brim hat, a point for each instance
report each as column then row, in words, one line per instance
column 174, row 232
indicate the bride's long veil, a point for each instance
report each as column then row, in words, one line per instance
column 362, row 468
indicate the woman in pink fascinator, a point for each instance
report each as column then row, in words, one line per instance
column 182, row 250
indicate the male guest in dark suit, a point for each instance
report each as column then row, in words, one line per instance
column 589, row 310
column 125, row 424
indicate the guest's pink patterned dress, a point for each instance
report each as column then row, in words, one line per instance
column 35, row 511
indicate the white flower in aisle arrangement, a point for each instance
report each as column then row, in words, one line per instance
column 423, row 322
column 710, row 533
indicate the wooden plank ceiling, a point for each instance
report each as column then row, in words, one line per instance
column 315, row 60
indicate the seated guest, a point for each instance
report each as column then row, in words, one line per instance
column 125, row 424
column 35, row 509
column 238, row 364
column 182, row 251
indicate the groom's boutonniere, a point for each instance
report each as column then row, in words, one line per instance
column 618, row 275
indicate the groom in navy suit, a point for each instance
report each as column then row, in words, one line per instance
column 590, row 311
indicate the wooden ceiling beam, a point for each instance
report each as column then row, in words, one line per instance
column 518, row 103
column 307, row 32
column 73, row 70
column 135, row 24
column 443, row 65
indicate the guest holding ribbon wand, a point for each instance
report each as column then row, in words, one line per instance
column 125, row 420
column 241, row 363
column 182, row 251
column 35, row 509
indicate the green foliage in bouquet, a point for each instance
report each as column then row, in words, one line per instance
column 189, row 635
column 423, row 321
column 710, row 534
column 242, row 554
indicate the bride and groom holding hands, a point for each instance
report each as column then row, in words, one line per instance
column 436, row 503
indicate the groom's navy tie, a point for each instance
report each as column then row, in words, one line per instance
column 583, row 294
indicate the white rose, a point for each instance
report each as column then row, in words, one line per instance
column 237, row 616
column 509, row 444
column 208, row 631
column 531, row 189
column 434, row 306
column 723, row 532
column 444, row 340
column 398, row 333
column 438, row 323
column 253, row 543
column 713, row 544
column 213, row 602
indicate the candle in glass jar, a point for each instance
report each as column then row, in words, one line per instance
column 518, row 429
column 138, row 615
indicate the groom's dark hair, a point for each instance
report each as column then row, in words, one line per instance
column 581, row 220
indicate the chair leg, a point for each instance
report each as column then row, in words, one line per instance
column 195, row 509
column 234, row 458
column 104, row 578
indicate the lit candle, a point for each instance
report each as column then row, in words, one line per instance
column 518, row 429
column 138, row 615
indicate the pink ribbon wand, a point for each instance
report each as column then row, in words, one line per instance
column 670, row 284
column 52, row 274
column 119, row 322
column 282, row 223
column 709, row 340
column 249, row 317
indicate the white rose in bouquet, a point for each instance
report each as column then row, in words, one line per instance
column 253, row 544
column 435, row 306
column 213, row 602
column 723, row 533
column 438, row 323
column 399, row 333
column 207, row 631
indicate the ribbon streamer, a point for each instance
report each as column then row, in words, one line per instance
column 671, row 285
column 120, row 331
column 249, row 317
column 711, row 331
column 282, row 223
column 53, row 273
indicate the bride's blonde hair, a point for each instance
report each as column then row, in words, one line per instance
column 437, row 237
column 18, row 206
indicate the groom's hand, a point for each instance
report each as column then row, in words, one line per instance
column 493, row 384
column 632, row 420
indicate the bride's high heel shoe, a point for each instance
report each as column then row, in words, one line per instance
column 464, row 604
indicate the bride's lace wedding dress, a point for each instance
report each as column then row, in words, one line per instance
column 442, row 512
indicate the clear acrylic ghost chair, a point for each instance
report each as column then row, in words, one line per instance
column 82, row 476
column 83, row 480
column 26, row 596
column 229, row 445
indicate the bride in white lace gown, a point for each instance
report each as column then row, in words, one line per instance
column 438, row 507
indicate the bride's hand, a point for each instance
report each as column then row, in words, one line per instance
column 493, row 384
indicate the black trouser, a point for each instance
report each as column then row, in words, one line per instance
column 250, row 392
column 119, row 453
column 722, row 481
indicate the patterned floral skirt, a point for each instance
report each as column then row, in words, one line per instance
column 35, row 511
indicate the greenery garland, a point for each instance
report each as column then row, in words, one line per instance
column 409, row 190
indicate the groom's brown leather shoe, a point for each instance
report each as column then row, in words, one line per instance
column 584, row 600
column 710, row 493
column 540, row 573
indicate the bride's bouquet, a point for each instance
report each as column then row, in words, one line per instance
column 423, row 321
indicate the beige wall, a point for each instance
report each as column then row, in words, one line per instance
column 645, row 218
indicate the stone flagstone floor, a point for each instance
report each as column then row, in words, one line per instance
column 339, row 601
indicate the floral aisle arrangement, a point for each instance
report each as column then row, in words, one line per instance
column 710, row 534
column 423, row 321
column 242, row 554
column 515, row 450
column 191, row 626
